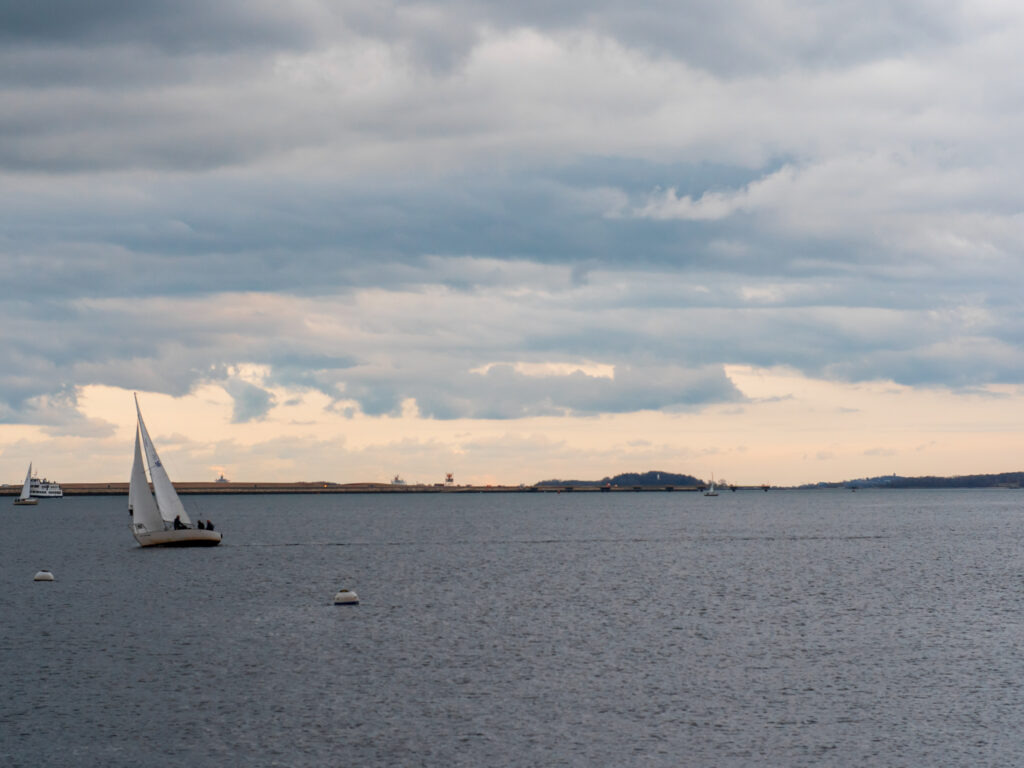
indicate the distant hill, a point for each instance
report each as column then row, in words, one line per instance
column 653, row 478
column 1000, row 480
column 659, row 479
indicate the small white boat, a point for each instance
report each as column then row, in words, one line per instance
column 43, row 575
column 711, row 489
column 160, row 521
column 346, row 597
column 25, row 499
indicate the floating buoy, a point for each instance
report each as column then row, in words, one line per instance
column 43, row 576
column 346, row 597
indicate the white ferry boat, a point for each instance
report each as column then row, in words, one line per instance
column 45, row 489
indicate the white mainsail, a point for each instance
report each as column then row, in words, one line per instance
column 26, row 489
column 167, row 500
column 145, row 515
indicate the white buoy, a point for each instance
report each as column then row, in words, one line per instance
column 43, row 576
column 346, row 597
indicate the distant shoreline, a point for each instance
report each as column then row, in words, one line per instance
column 241, row 488
column 121, row 488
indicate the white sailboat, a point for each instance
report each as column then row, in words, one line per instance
column 711, row 489
column 160, row 521
column 25, row 499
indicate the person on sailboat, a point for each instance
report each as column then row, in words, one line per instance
column 178, row 525
column 209, row 525
column 199, row 525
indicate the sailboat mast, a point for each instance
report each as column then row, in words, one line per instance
column 140, row 427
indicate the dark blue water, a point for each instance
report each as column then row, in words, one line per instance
column 654, row 629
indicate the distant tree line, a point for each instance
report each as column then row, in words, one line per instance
column 654, row 478
column 1001, row 479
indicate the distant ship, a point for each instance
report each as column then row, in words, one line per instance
column 45, row 489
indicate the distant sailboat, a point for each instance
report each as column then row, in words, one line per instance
column 711, row 490
column 160, row 521
column 25, row 499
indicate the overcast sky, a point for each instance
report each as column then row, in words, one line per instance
column 777, row 240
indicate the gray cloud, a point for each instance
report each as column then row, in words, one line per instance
column 56, row 411
column 727, row 36
column 730, row 37
column 161, row 86
column 186, row 26
column 503, row 393
column 375, row 202
column 667, row 335
column 250, row 401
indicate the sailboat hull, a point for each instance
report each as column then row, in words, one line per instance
column 30, row 502
column 188, row 537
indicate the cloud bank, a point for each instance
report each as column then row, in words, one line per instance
column 378, row 203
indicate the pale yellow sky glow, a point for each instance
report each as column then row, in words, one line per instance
column 791, row 430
